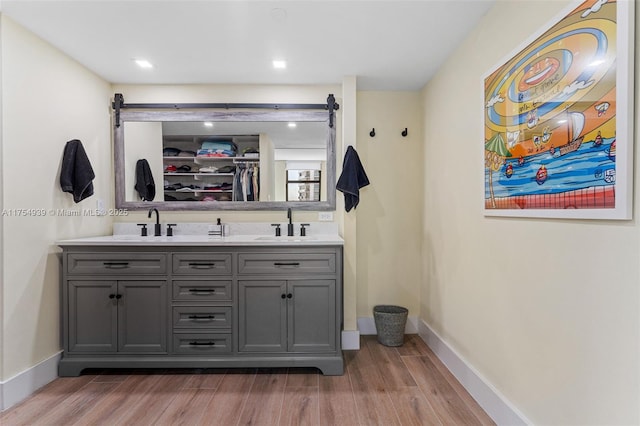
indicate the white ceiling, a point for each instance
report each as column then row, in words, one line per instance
column 387, row 45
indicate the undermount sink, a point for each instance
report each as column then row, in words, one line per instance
column 284, row 239
column 128, row 237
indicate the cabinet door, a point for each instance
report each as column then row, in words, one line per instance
column 262, row 316
column 93, row 319
column 142, row 316
column 312, row 316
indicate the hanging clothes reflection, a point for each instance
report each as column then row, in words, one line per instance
column 247, row 182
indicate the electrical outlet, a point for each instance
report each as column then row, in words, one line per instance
column 100, row 210
column 325, row 216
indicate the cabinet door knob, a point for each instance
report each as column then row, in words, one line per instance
column 111, row 296
column 118, row 296
column 284, row 296
column 289, row 296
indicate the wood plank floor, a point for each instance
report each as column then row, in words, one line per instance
column 407, row 385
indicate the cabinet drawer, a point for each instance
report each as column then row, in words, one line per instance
column 202, row 263
column 286, row 263
column 201, row 344
column 201, row 291
column 201, row 317
column 116, row 263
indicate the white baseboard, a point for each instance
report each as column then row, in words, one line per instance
column 24, row 384
column 367, row 326
column 490, row 399
column 350, row 340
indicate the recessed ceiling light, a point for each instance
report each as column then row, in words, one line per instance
column 280, row 65
column 291, row 124
column 143, row 63
column 279, row 14
column 208, row 124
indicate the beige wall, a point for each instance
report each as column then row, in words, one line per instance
column 389, row 216
column 47, row 100
column 546, row 310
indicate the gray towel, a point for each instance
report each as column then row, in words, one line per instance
column 353, row 178
column 76, row 174
column 145, row 185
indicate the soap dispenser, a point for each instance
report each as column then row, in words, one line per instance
column 217, row 230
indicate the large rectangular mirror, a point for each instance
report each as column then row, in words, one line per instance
column 204, row 159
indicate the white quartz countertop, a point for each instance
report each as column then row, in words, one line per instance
column 197, row 234
column 204, row 240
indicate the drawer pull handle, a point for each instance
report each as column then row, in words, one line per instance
column 116, row 265
column 198, row 317
column 294, row 264
column 202, row 343
column 201, row 265
column 202, row 290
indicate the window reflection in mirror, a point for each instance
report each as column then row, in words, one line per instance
column 304, row 185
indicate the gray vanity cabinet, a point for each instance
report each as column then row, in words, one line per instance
column 287, row 316
column 201, row 306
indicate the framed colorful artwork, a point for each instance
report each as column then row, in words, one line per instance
column 558, row 119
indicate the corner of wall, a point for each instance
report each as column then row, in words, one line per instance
column 348, row 222
column 1, row 224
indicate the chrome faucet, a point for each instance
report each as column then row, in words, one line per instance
column 290, row 224
column 158, row 230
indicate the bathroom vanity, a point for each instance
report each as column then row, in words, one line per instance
column 199, row 302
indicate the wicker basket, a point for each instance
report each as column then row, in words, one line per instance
column 390, row 322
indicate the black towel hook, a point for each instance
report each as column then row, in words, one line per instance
column 405, row 132
column 372, row 133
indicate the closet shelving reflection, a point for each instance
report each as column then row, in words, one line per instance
column 190, row 177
